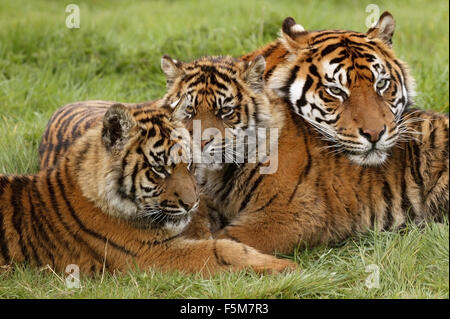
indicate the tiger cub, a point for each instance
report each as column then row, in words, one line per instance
column 314, row 196
column 119, row 198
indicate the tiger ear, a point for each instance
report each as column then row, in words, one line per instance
column 383, row 29
column 178, row 107
column 254, row 72
column 171, row 68
column 293, row 35
column 118, row 124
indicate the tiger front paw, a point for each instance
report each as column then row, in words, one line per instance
column 240, row 256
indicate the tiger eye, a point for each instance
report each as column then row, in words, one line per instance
column 381, row 84
column 159, row 169
column 225, row 110
column 335, row 90
column 190, row 109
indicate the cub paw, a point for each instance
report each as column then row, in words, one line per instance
column 276, row 265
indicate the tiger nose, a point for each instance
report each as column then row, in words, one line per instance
column 188, row 204
column 372, row 135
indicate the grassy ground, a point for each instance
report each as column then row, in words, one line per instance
column 115, row 55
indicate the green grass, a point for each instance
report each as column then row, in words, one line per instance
column 115, row 55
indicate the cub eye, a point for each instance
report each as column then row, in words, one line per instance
column 146, row 189
column 382, row 84
column 160, row 170
column 189, row 109
column 335, row 90
column 226, row 110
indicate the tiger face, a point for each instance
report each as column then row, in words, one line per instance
column 348, row 85
column 148, row 181
column 223, row 95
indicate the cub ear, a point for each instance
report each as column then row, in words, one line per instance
column 118, row 123
column 293, row 35
column 178, row 108
column 254, row 72
column 383, row 29
column 171, row 68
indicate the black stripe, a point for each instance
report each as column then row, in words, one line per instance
column 287, row 85
column 16, row 191
column 433, row 138
column 38, row 226
column 266, row 204
column 271, row 49
column 330, row 48
column 247, row 199
column 387, row 195
column 98, row 257
column 158, row 242
column 226, row 233
column 302, row 100
column 337, row 60
column 406, row 205
column 219, row 259
column 416, row 167
column 133, row 181
column 80, row 224
column 43, row 215
column 228, row 175
column 32, row 227
column 324, row 39
column 62, row 129
column 75, row 127
column 371, row 205
column 304, row 172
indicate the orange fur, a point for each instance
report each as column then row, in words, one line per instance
column 315, row 196
column 65, row 214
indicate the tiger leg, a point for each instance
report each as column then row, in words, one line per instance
column 211, row 256
column 269, row 232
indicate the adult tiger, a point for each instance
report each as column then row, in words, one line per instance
column 117, row 199
column 348, row 85
column 314, row 196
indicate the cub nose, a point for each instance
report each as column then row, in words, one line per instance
column 188, row 205
column 372, row 135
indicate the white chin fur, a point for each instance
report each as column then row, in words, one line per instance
column 178, row 227
column 371, row 159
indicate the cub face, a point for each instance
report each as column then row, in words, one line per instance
column 348, row 85
column 224, row 99
column 149, row 182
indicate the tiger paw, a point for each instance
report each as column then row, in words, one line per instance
column 273, row 265
column 240, row 256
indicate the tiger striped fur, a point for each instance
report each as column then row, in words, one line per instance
column 348, row 85
column 315, row 196
column 116, row 200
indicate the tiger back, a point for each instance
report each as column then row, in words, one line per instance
column 72, row 121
